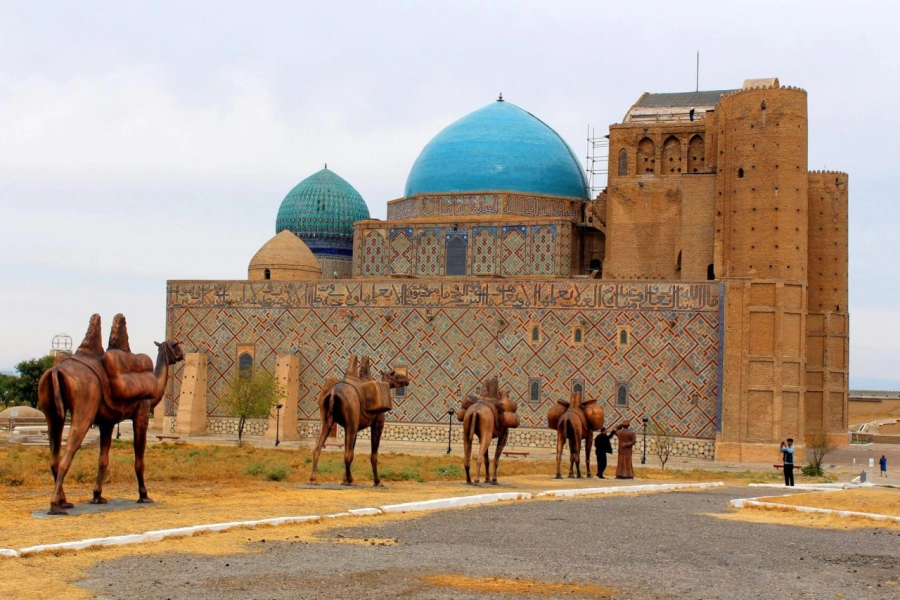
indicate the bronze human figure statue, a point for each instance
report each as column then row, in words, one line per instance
column 102, row 388
column 488, row 416
column 575, row 421
column 355, row 403
column 627, row 440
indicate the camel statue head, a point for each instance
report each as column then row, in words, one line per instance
column 394, row 379
column 171, row 351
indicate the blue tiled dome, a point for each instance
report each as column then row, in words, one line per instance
column 498, row 148
column 320, row 210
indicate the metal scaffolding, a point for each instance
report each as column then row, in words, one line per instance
column 597, row 161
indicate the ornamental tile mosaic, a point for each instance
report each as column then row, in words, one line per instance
column 452, row 205
column 543, row 250
column 401, row 251
column 371, row 255
column 484, row 250
column 450, row 335
column 512, row 251
column 429, row 252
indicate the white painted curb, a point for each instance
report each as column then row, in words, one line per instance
column 824, row 487
column 745, row 502
column 9, row 553
column 630, row 489
column 364, row 512
column 440, row 503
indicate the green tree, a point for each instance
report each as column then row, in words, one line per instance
column 250, row 394
column 816, row 450
column 665, row 443
column 30, row 372
column 9, row 389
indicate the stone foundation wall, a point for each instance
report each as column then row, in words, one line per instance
column 229, row 426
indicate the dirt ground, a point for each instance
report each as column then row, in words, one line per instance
column 882, row 501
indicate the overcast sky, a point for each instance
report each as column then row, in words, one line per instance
column 141, row 142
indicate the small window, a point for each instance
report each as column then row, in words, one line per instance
column 535, row 333
column 623, row 162
column 711, row 272
column 596, row 264
column 245, row 364
column 400, row 392
column 456, row 256
column 267, row 274
column 578, row 387
column 695, row 399
column 622, row 394
column 578, row 334
column 740, row 173
column 534, row 391
column 624, row 336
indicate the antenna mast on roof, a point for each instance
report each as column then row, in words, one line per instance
column 597, row 162
column 698, row 71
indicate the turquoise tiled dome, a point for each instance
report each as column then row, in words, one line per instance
column 321, row 210
column 498, row 148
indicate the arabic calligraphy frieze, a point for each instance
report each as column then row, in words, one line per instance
column 439, row 293
column 482, row 204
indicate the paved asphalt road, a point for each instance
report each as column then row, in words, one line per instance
column 653, row 546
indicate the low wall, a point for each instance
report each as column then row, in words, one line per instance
column 437, row 434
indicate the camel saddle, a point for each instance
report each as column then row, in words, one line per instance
column 93, row 363
column 375, row 396
column 130, row 375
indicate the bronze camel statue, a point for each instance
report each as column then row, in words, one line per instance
column 575, row 422
column 355, row 403
column 489, row 416
column 102, row 388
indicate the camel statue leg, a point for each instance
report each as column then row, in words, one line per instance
column 106, row 431
column 77, row 430
column 577, row 454
column 350, row 432
column 55, row 427
column 484, row 438
column 327, row 421
column 501, row 443
column 141, row 422
column 377, row 429
column 468, row 434
column 588, row 443
column 560, row 446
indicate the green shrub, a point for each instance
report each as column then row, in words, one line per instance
column 255, row 468
column 277, row 472
column 405, row 474
column 451, row 470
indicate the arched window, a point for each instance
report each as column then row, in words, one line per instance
column 678, row 262
column 671, row 156
column 534, row 391
column 696, row 155
column 646, row 156
column 535, row 334
column 711, row 272
column 596, row 264
column 578, row 387
column 623, row 162
column 267, row 274
column 623, row 337
column 577, row 335
column 456, row 256
column 245, row 364
column 622, row 394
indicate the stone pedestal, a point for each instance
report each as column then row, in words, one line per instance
column 159, row 413
column 287, row 374
column 191, row 417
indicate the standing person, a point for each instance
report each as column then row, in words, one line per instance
column 627, row 440
column 602, row 447
column 787, row 455
column 882, row 462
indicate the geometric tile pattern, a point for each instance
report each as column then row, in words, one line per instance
column 484, row 250
column 543, row 250
column 429, row 253
column 512, row 251
column 565, row 251
column 371, row 255
column 456, row 205
column 401, row 251
column 450, row 335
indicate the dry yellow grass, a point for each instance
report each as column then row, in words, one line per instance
column 879, row 501
column 882, row 501
column 502, row 585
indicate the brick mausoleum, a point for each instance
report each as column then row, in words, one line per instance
column 705, row 288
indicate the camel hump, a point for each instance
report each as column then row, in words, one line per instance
column 119, row 362
column 118, row 335
column 93, row 338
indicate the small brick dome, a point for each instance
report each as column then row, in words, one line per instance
column 284, row 257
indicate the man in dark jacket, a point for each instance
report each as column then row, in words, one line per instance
column 603, row 447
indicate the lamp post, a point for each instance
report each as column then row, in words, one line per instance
column 449, row 428
column 645, row 420
column 278, row 408
column 118, row 431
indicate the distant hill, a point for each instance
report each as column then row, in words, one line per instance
column 874, row 383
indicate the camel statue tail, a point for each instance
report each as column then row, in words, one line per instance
column 331, row 400
column 473, row 426
column 570, row 434
column 57, row 396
